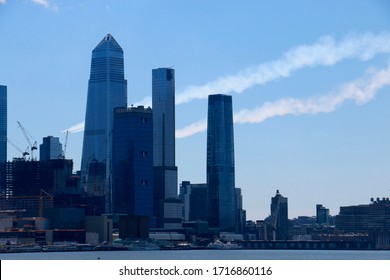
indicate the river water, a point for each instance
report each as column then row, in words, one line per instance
column 203, row 255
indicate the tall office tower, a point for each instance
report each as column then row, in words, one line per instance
column 167, row 206
column 3, row 124
column 107, row 89
column 220, row 163
column 3, row 135
column 279, row 216
column 132, row 162
column 51, row 148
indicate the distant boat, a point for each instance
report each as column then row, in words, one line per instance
column 135, row 245
column 219, row 245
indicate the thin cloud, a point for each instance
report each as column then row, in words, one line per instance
column 360, row 91
column 46, row 4
column 3, row 1
column 325, row 52
column 192, row 129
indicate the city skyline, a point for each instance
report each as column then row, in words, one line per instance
column 321, row 149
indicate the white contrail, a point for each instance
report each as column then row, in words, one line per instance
column 76, row 128
column 192, row 129
column 360, row 91
column 326, row 51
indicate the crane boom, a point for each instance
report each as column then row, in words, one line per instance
column 26, row 135
column 20, row 150
column 65, row 144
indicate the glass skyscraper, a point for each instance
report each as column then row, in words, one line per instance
column 107, row 89
column 51, row 148
column 3, row 134
column 166, row 203
column 279, row 216
column 220, row 163
column 132, row 162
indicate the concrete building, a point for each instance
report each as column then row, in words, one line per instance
column 363, row 218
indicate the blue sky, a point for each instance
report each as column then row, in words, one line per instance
column 310, row 82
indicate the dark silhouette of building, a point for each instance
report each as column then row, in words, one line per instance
column 133, row 227
column 279, row 216
column 194, row 197
column 322, row 215
column 107, row 89
column 363, row 218
column 132, row 167
column 222, row 209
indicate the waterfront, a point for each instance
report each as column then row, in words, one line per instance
column 204, row 255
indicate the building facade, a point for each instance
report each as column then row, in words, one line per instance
column 322, row 215
column 366, row 217
column 107, row 89
column 51, row 148
column 132, row 162
column 279, row 216
column 241, row 213
column 167, row 205
column 220, row 163
column 194, row 197
column 3, row 135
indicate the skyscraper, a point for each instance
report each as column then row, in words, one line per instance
column 322, row 215
column 166, row 203
column 3, row 134
column 51, row 148
column 279, row 216
column 132, row 162
column 220, row 163
column 3, row 124
column 107, row 89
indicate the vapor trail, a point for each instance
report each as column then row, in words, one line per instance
column 326, row 51
column 360, row 91
column 76, row 128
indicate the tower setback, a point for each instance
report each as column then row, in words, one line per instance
column 107, row 89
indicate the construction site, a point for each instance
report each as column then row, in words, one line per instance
column 42, row 201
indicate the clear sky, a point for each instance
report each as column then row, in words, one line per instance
column 310, row 82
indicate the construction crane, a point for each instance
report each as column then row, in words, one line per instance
column 42, row 195
column 65, row 144
column 27, row 136
column 24, row 154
